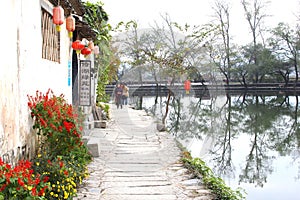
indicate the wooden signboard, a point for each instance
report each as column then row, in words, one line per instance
column 85, row 83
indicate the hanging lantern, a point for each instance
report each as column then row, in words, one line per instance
column 77, row 46
column 91, row 45
column 58, row 16
column 187, row 86
column 96, row 50
column 86, row 51
column 70, row 25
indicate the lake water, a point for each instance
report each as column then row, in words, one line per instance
column 252, row 142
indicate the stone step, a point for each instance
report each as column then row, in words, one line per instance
column 116, row 167
column 152, row 190
column 139, row 197
column 133, row 174
column 135, row 183
column 134, row 178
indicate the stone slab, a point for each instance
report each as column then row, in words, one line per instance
column 153, row 190
column 131, row 183
column 94, row 147
column 133, row 174
column 134, row 178
column 132, row 167
column 139, row 197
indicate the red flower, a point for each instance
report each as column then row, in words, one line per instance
column 2, row 187
column 50, row 113
column 68, row 126
column 44, row 124
column 42, row 191
column 53, row 127
column 46, row 179
column 61, row 164
column 76, row 134
column 21, row 182
column 27, row 164
column 33, row 191
column 7, row 166
column 37, row 181
column 66, row 172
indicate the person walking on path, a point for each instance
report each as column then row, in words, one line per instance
column 118, row 95
column 125, row 94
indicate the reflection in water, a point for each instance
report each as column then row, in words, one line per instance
column 242, row 138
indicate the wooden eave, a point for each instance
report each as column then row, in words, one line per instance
column 84, row 30
column 76, row 8
column 70, row 6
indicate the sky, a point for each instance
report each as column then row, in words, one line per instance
column 194, row 12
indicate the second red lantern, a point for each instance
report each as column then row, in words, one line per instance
column 86, row 51
column 70, row 25
column 77, row 46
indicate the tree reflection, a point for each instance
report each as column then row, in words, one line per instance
column 258, row 164
column 184, row 121
column 286, row 136
column 222, row 152
column 268, row 125
column 258, row 117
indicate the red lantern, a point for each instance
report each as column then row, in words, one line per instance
column 58, row 16
column 91, row 45
column 187, row 86
column 70, row 25
column 86, row 51
column 77, row 46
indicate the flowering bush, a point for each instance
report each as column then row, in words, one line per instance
column 61, row 155
column 56, row 122
column 20, row 182
column 64, row 174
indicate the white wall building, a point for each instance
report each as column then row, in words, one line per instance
column 32, row 58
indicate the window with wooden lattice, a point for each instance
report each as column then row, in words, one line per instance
column 51, row 38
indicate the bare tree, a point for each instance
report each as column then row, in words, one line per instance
column 254, row 13
column 222, row 12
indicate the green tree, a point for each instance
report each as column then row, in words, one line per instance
column 285, row 43
column 106, row 62
column 265, row 61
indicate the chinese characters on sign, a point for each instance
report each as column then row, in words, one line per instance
column 85, row 83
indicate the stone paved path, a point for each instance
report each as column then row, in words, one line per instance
column 136, row 162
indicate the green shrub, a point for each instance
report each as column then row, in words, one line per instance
column 215, row 184
column 105, row 107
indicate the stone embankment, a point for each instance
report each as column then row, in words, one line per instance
column 137, row 162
